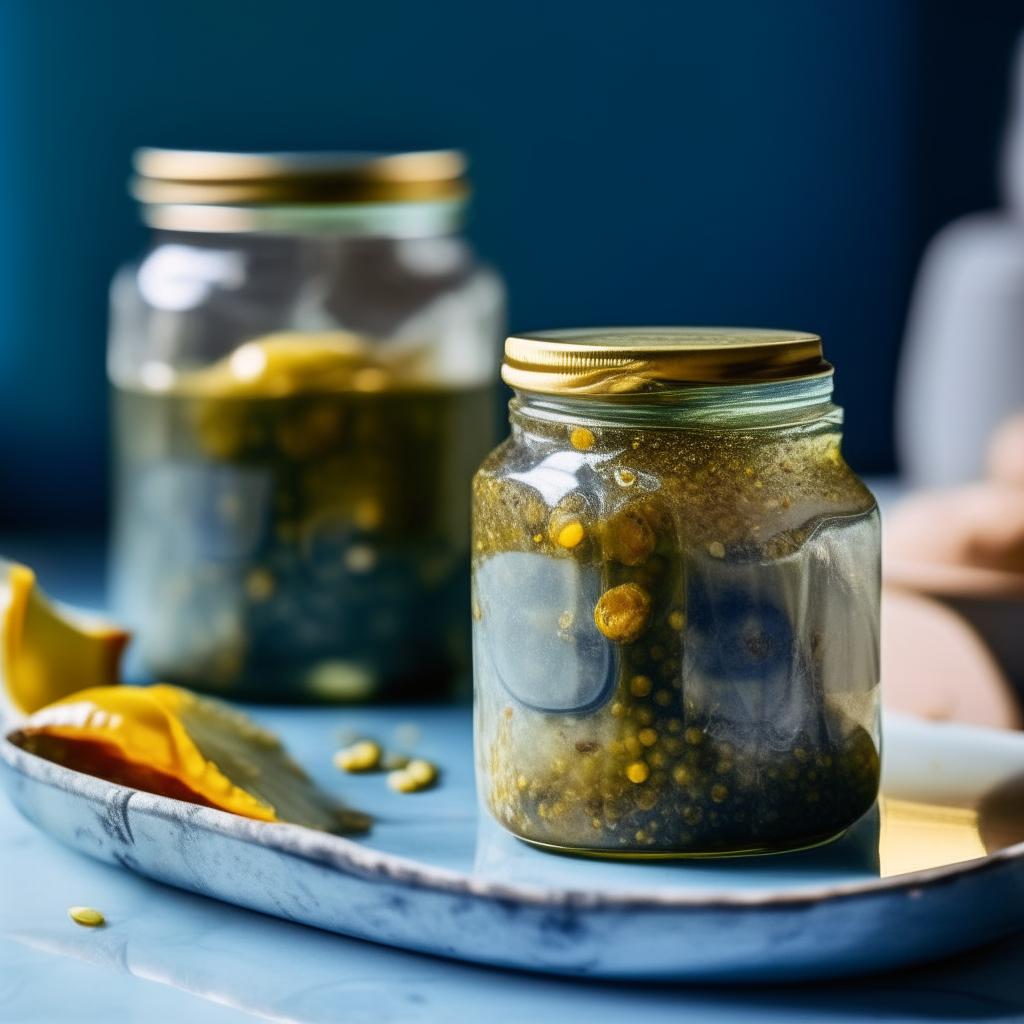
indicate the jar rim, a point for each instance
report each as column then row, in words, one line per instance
column 395, row 195
column 197, row 177
column 623, row 361
column 780, row 403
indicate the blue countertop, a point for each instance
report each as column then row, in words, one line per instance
column 167, row 955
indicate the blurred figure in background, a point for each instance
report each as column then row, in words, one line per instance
column 953, row 599
column 962, row 367
column 953, row 605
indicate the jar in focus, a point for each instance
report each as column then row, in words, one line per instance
column 303, row 367
column 675, row 598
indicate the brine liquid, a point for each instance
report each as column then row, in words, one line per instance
column 675, row 640
column 314, row 546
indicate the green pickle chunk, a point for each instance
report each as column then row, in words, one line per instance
column 736, row 592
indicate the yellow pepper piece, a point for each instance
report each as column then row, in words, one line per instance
column 127, row 735
column 50, row 651
column 166, row 740
column 290, row 363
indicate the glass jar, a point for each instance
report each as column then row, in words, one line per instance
column 304, row 370
column 675, row 598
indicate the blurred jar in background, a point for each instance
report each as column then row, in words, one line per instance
column 303, row 367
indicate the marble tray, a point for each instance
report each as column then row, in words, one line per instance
column 940, row 869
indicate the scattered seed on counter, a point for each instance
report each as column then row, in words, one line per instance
column 415, row 776
column 88, row 917
column 363, row 756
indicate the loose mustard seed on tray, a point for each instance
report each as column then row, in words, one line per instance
column 86, row 916
column 415, row 776
column 363, row 756
column 405, row 774
column 675, row 598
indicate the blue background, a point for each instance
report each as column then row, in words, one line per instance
column 765, row 162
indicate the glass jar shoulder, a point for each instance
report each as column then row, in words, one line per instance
column 192, row 299
column 756, row 492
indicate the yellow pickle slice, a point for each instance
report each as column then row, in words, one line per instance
column 166, row 740
column 50, row 650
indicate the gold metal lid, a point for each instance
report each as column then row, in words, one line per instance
column 186, row 177
column 641, row 360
